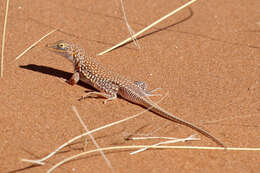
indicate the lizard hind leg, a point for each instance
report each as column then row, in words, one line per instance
column 147, row 93
column 108, row 97
column 150, row 93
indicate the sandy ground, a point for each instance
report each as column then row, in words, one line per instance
column 207, row 57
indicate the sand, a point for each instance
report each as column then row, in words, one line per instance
column 207, row 57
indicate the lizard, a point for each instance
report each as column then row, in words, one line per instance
column 111, row 84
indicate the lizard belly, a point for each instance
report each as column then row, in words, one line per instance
column 89, row 82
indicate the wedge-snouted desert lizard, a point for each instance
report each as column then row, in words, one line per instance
column 111, row 84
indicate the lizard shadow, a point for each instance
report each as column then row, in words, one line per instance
column 60, row 74
column 54, row 72
column 24, row 168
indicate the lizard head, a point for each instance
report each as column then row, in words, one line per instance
column 63, row 48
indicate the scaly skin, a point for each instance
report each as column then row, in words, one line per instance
column 111, row 84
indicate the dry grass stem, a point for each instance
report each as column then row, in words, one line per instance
column 145, row 146
column 92, row 138
column 90, row 132
column 26, row 50
column 148, row 27
column 3, row 39
column 131, row 31
column 171, row 141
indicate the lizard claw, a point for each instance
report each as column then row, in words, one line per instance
column 81, row 98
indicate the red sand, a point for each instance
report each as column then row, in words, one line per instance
column 207, row 58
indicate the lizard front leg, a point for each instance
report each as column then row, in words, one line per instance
column 74, row 78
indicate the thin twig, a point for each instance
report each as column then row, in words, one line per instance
column 26, row 50
column 155, row 147
column 131, row 31
column 171, row 141
column 93, row 139
column 148, row 27
column 90, row 132
column 3, row 39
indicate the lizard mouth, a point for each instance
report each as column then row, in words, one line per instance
column 51, row 46
column 54, row 48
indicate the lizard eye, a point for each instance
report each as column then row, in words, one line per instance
column 61, row 45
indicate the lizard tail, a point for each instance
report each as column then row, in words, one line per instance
column 164, row 114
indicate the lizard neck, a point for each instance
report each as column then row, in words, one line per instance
column 78, row 55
